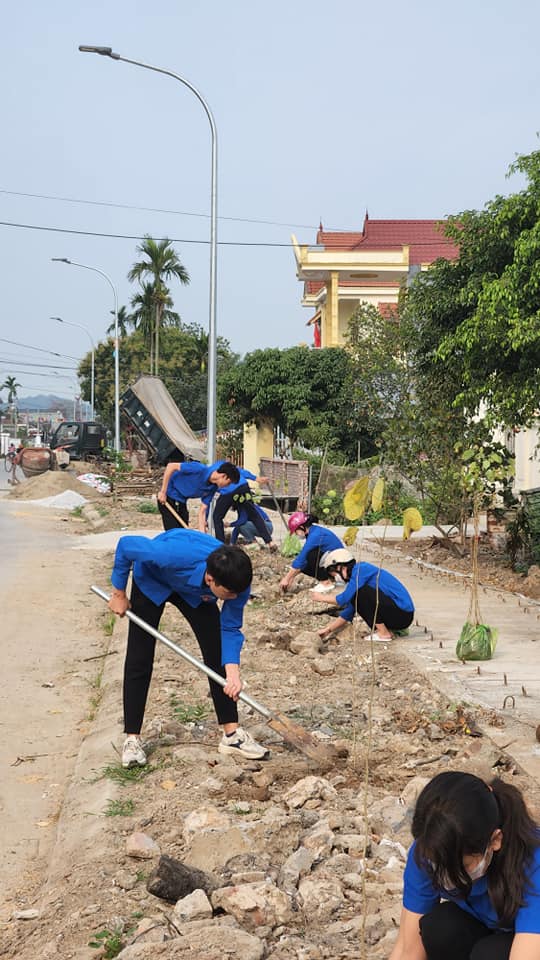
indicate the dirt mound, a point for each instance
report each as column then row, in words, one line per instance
column 49, row 484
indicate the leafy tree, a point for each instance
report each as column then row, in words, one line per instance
column 143, row 315
column 161, row 264
column 478, row 317
column 300, row 390
column 10, row 384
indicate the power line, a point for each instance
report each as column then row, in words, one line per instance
column 26, row 363
column 129, row 206
column 28, row 346
column 126, row 236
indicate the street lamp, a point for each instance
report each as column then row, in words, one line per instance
column 102, row 273
column 70, row 323
column 212, row 333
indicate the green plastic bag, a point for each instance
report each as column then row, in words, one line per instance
column 291, row 546
column 477, row 642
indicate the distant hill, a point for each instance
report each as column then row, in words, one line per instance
column 46, row 403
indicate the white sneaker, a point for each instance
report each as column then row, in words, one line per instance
column 324, row 588
column 242, row 744
column 133, row 754
column 376, row 637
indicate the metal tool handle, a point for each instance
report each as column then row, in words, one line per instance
column 187, row 656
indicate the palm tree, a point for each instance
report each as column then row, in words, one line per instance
column 143, row 315
column 10, row 384
column 124, row 320
column 161, row 264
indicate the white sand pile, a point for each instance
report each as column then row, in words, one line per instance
column 67, row 500
column 50, row 484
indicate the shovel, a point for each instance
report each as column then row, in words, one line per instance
column 292, row 732
column 175, row 515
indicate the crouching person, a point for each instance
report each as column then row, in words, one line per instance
column 472, row 880
column 192, row 571
column 371, row 592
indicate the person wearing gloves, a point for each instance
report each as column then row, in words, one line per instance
column 318, row 541
column 371, row 592
column 472, row 879
column 184, row 481
column 191, row 570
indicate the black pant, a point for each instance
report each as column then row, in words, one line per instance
column 450, row 933
column 205, row 622
column 170, row 522
column 312, row 567
column 374, row 606
column 225, row 501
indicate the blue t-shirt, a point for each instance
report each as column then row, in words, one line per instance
column 175, row 562
column 320, row 537
column 420, row 896
column 366, row 574
column 245, row 475
column 193, row 480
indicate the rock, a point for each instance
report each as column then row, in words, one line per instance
column 205, row 941
column 351, row 843
column 173, row 880
column 297, row 865
column 149, row 930
column 294, row 948
column 322, row 897
column 191, row 754
column 196, row 906
column 125, row 880
column 309, row 788
column 205, row 818
column 319, row 840
column 141, row 846
column 211, row 849
column 410, row 793
column 324, row 666
column 25, row 915
column 254, row 905
column 307, row 643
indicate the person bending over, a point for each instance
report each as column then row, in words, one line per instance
column 318, row 541
column 184, row 481
column 237, row 496
column 472, row 879
column 371, row 592
column 191, row 571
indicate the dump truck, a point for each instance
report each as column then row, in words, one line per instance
column 148, row 406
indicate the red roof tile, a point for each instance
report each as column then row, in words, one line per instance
column 425, row 238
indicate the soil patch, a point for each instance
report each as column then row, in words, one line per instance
column 51, row 483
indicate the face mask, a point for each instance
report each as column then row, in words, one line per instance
column 481, row 868
column 339, row 580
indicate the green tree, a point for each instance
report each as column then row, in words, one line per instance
column 124, row 321
column 478, row 317
column 143, row 315
column 161, row 263
column 10, row 384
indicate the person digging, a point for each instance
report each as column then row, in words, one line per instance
column 371, row 592
column 192, row 571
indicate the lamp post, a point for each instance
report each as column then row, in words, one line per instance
column 85, row 266
column 70, row 323
column 212, row 330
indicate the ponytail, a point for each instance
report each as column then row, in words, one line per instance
column 508, row 879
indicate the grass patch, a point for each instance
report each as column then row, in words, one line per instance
column 77, row 511
column 118, row 774
column 189, row 712
column 148, row 507
column 119, row 808
column 109, row 621
column 111, row 942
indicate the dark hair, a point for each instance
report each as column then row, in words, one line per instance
column 309, row 521
column 455, row 816
column 229, row 470
column 231, row 568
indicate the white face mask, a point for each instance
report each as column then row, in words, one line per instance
column 481, row 868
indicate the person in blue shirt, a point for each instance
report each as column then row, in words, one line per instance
column 191, row 479
column 239, row 496
column 371, row 592
column 245, row 528
column 318, row 541
column 472, row 879
column 191, row 570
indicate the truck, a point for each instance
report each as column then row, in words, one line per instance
column 152, row 413
column 81, row 439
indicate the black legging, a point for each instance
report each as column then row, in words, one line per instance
column 374, row 606
column 225, row 501
column 205, row 622
column 170, row 522
column 450, row 933
column 313, row 567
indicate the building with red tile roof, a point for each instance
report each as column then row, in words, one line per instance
column 345, row 268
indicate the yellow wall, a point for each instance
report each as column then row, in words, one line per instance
column 258, row 442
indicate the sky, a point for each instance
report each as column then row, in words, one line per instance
column 323, row 111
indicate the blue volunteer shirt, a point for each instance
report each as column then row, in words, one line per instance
column 175, row 562
column 193, row 480
column 245, row 475
column 320, row 537
column 366, row 574
column 420, row 896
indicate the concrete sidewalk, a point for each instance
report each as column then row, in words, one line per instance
column 509, row 683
